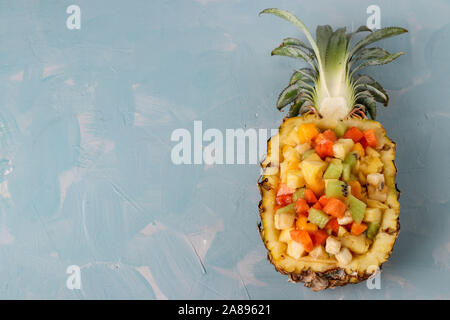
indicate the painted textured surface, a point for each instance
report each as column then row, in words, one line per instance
column 85, row 121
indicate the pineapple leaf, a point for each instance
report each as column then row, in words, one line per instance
column 370, row 104
column 297, row 43
column 376, row 36
column 350, row 35
column 291, row 92
column 294, row 52
column 365, row 79
column 299, row 24
column 378, row 61
column 336, row 50
column 377, row 94
column 323, row 35
column 368, row 53
column 305, row 74
column 296, row 107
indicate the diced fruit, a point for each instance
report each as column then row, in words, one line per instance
column 350, row 159
column 301, row 207
column 307, row 132
column 358, row 228
column 302, row 148
column 310, row 197
column 373, row 215
column 307, row 153
column 354, row 133
column 344, row 256
column 285, row 217
column 372, row 230
column 376, row 204
column 376, row 179
column 292, row 138
column 330, row 135
column 283, row 190
column 334, row 170
column 317, row 206
column 284, row 200
column 355, row 188
column 336, row 189
column 359, row 149
column 295, row 249
column 332, row 225
column 323, row 200
column 290, row 153
column 318, row 217
column 285, row 235
column 364, row 143
column 312, row 171
column 335, row 208
column 319, row 253
column 333, row 245
column 346, row 171
column 342, row 147
column 324, row 149
column 342, row 232
column 340, row 129
column 319, row 237
column 371, row 138
column 356, row 207
column 303, row 224
column 358, row 244
column 370, row 164
column 299, row 193
column 377, row 194
column 346, row 219
column 303, row 237
column 372, row 152
column 295, row 179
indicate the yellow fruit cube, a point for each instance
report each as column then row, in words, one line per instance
column 307, row 132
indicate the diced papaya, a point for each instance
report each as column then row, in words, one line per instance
column 358, row 228
column 310, row 197
column 319, row 237
column 335, row 208
column 284, row 200
column 323, row 200
column 303, row 237
column 301, row 207
column 371, row 138
column 283, row 190
column 354, row 133
column 332, row 225
column 317, row 206
column 325, row 148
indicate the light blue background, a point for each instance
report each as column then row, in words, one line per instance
column 85, row 123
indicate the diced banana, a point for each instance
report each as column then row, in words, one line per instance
column 373, row 215
column 318, row 253
column 284, row 220
column 346, row 219
column 377, row 194
column 295, row 249
column 285, row 235
column 376, row 179
column 344, row 256
column 333, row 245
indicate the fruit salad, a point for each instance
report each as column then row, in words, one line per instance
column 331, row 193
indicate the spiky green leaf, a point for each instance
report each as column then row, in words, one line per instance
column 323, row 35
column 370, row 104
column 350, row 35
column 368, row 53
column 294, row 52
column 336, row 50
column 377, row 94
column 376, row 36
column 305, row 74
column 297, row 43
column 378, row 61
column 291, row 92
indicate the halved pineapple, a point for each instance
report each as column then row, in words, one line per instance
column 346, row 208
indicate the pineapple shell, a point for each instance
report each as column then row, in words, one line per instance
column 319, row 274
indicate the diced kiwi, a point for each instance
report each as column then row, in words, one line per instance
column 372, row 229
column 346, row 170
column 336, row 189
column 318, row 217
column 357, row 208
column 350, row 159
column 307, row 153
column 299, row 193
column 287, row 209
column 340, row 129
column 334, row 170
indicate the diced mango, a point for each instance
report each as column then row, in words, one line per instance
column 307, row 132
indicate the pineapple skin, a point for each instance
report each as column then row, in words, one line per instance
column 326, row 273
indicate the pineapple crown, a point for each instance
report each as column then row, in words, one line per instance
column 331, row 85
